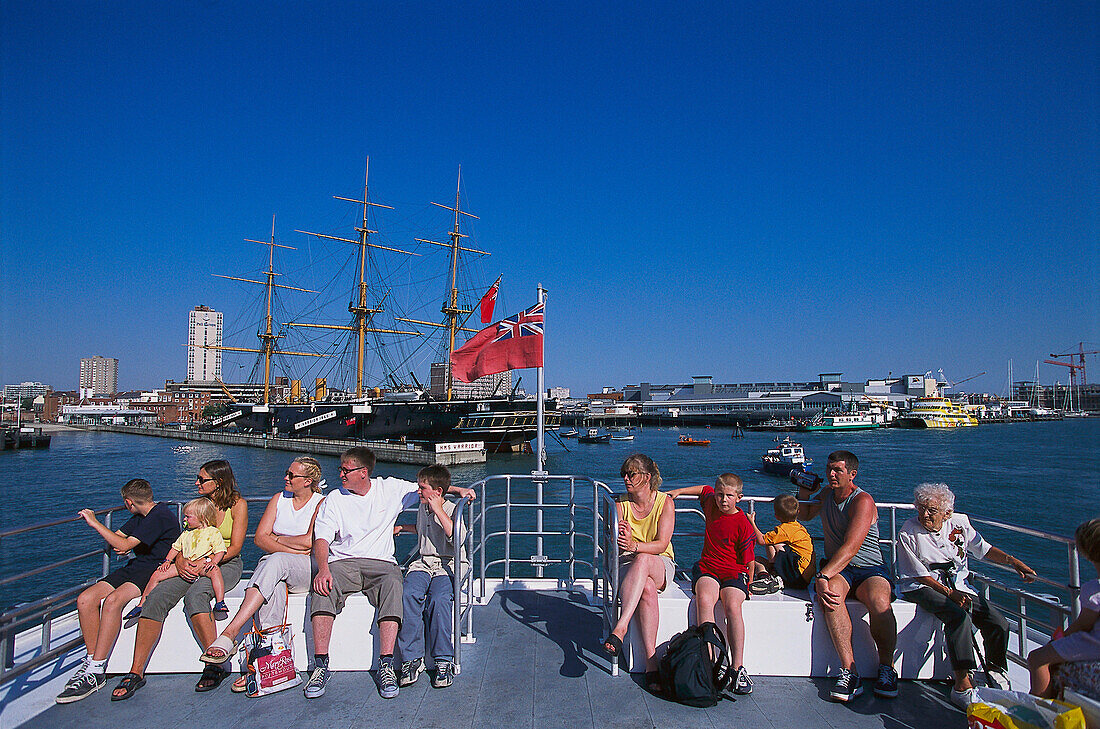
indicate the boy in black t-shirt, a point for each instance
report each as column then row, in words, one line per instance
column 148, row 534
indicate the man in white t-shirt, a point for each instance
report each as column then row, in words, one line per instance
column 933, row 568
column 353, row 548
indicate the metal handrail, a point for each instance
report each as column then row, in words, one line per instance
column 1024, row 624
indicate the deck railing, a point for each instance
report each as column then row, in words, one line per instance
column 42, row 613
column 564, row 527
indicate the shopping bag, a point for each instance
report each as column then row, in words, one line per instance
column 269, row 660
column 998, row 709
column 269, row 657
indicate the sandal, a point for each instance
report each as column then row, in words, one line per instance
column 613, row 645
column 133, row 614
column 129, row 684
column 219, row 651
column 212, row 677
column 240, row 685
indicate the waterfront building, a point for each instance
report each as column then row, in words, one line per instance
column 14, row 393
column 98, row 376
column 1058, row 396
column 705, row 402
column 498, row 385
column 558, row 393
column 204, row 329
column 230, row 391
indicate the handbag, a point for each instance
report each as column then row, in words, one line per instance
column 998, row 709
column 269, row 658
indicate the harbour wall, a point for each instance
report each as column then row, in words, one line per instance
column 385, row 452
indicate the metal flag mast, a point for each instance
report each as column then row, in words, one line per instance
column 540, row 450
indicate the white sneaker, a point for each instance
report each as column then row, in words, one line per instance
column 998, row 680
column 963, row 699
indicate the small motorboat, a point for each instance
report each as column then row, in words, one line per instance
column 786, row 457
column 622, row 436
column 687, row 440
column 571, row 433
column 594, row 435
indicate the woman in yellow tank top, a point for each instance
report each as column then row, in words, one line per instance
column 647, row 519
column 216, row 482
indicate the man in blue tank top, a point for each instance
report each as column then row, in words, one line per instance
column 853, row 564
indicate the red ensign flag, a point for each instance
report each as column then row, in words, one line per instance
column 510, row 344
column 489, row 301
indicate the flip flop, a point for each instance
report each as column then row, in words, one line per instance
column 219, row 651
column 133, row 614
column 240, row 685
column 212, row 677
column 613, row 645
column 129, row 684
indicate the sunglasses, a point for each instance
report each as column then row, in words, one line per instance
column 346, row 471
column 293, row 476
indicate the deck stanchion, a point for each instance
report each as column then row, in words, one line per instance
column 1074, row 582
column 507, row 528
column 1022, row 604
column 107, row 553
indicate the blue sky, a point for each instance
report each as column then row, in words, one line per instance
column 750, row 191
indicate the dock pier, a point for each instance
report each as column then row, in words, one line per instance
column 420, row 454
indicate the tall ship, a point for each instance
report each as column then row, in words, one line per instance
column 391, row 407
column 936, row 412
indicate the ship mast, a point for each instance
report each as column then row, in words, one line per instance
column 268, row 338
column 363, row 314
column 450, row 308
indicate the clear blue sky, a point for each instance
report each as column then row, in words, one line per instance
column 752, row 191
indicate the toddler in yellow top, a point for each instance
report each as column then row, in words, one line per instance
column 790, row 550
column 200, row 540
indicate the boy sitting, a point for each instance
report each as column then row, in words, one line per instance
column 725, row 567
column 429, row 583
column 790, row 550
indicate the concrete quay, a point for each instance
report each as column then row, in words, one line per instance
column 446, row 454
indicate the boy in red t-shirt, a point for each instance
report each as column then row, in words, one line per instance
column 725, row 568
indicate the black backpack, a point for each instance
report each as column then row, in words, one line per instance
column 688, row 673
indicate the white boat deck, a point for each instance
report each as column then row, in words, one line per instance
column 536, row 663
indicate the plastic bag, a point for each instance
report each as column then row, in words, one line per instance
column 1018, row 710
column 270, row 661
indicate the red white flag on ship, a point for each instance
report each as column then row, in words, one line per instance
column 510, row 344
column 489, row 301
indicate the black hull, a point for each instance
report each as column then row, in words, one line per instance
column 504, row 425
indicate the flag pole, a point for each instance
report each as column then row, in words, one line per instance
column 540, row 451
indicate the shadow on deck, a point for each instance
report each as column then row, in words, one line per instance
column 536, row 663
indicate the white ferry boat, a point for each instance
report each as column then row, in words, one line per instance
column 530, row 615
column 842, row 421
column 936, row 412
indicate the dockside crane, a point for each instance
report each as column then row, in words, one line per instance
column 1074, row 366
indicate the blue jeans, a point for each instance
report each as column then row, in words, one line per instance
column 433, row 597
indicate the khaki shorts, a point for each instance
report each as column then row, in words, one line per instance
column 378, row 579
column 670, row 568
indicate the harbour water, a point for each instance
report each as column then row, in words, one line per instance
column 1041, row 475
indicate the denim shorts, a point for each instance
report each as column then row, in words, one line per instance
column 741, row 581
column 856, row 576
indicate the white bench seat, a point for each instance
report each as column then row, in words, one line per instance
column 780, row 641
column 354, row 645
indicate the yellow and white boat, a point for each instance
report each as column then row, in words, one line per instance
column 936, row 412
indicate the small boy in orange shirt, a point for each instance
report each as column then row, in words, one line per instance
column 790, row 550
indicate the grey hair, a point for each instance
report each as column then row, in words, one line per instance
column 928, row 493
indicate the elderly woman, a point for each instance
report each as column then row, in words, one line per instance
column 647, row 519
column 286, row 534
column 932, row 572
column 216, row 482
